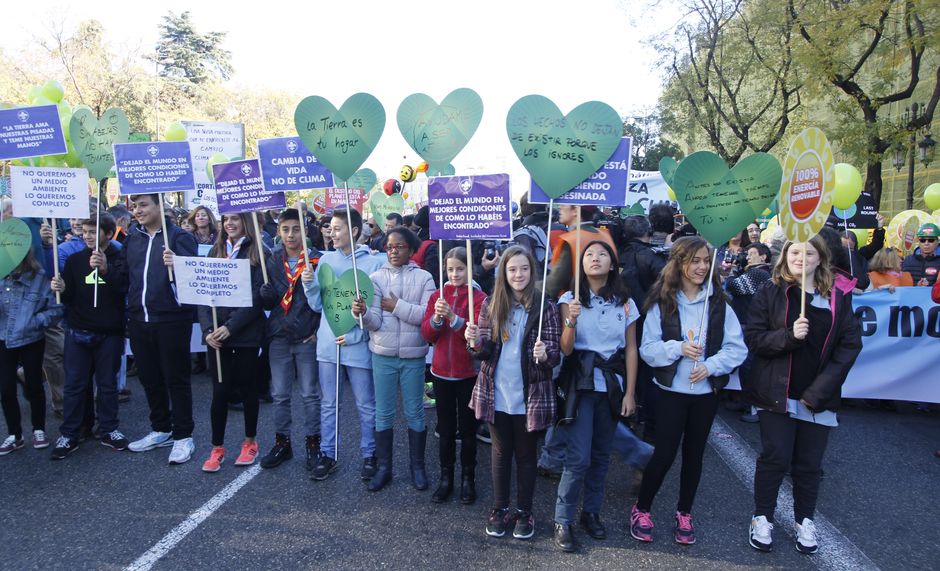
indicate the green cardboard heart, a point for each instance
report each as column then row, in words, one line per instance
column 363, row 179
column 442, row 170
column 337, row 295
column 15, row 242
column 721, row 202
column 561, row 151
column 340, row 139
column 439, row 132
column 94, row 138
column 667, row 168
column 381, row 205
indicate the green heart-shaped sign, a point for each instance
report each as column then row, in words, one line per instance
column 561, row 151
column 667, row 168
column 363, row 179
column 721, row 202
column 15, row 242
column 439, row 132
column 381, row 205
column 338, row 293
column 443, row 170
column 94, row 138
column 341, row 139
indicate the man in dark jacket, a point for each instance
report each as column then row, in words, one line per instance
column 160, row 328
column 924, row 264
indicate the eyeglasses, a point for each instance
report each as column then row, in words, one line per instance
column 397, row 247
column 370, row 225
column 927, row 240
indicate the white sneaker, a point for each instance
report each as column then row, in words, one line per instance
column 151, row 441
column 760, row 536
column 182, row 451
column 806, row 537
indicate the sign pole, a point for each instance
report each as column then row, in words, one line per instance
column 440, row 264
column 260, row 246
column 548, row 232
column 166, row 235
column 845, row 222
column 101, row 183
column 218, row 356
column 803, row 284
column 336, row 409
column 352, row 251
column 708, row 295
column 55, row 258
column 303, row 231
column 469, row 279
column 577, row 254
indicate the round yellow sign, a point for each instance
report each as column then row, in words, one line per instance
column 806, row 186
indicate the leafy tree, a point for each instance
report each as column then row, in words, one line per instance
column 648, row 145
column 184, row 53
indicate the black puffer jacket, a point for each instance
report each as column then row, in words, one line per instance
column 769, row 337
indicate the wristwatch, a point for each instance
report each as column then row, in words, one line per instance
column 570, row 324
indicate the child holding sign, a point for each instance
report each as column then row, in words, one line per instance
column 515, row 393
column 237, row 340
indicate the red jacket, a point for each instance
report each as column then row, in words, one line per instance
column 935, row 292
column 451, row 358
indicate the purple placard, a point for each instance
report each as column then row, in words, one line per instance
column 470, row 207
column 606, row 187
column 239, row 188
column 31, row 132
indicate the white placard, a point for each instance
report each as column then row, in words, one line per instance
column 50, row 192
column 206, row 139
column 213, row 281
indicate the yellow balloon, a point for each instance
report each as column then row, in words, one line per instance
column 848, row 186
column 932, row 196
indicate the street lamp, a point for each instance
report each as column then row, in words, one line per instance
column 898, row 159
column 927, row 149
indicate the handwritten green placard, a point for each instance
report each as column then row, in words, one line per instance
column 94, row 138
column 340, row 139
column 381, row 205
column 439, row 132
column 364, row 179
column 561, row 151
column 667, row 168
column 338, row 293
column 15, row 242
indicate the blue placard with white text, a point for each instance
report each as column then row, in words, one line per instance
column 286, row 164
column 31, row 132
column 606, row 187
column 164, row 166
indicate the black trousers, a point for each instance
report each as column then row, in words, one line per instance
column 239, row 367
column 453, row 411
column 510, row 439
column 30, row 356
column 789, row 445
column 681, row 419
column 161, row 351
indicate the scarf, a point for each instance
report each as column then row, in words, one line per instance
column 292, row 279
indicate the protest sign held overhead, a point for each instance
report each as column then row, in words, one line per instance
column 807, row 185
column 49, row 192
column 286, row 164
column 144, row 168
column 606, row 187
column 207, row 139
column 470, row 207
column 239, row 188
column 439, row 132
column 94, row 138
column 215, row 282
column 31, row 132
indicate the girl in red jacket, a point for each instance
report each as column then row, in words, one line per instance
column 454, row 376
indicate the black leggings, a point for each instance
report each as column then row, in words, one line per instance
column 510, row 438
column 239, row 367
column 453, row 411
column 680, row 419
column 30, row 356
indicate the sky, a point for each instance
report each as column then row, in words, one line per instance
column 570, row 52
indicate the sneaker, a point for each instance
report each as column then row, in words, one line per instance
column 214, row 463
column 151, row 441
column 369, row 467
column 760, row 536
column 525, row 525
column 325, row 467
column 483, row 434
column 684, row 532
column 10, row 444
column 40, row 440
column 749, row 418
column 280, row 452
column 806, row 541
column 182, row 451
column 63, row 447
column 115, row 439
column 248, row 454
column 641, row 525
column 312, row 450
column 498, row 521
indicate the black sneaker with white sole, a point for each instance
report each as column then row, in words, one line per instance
column 115, row 439
column 325, row 467
column 63, row 447
column 525, row 525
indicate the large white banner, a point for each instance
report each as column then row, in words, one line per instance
column 647, row 188
column 206, row 139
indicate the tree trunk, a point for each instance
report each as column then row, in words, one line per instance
column 873, row 181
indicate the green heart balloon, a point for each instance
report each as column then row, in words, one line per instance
column 337, row 294
column 667, row 168
column 439, row 132
column 720, row 202
column 94, row 138
column 381, row 205
column 15, row 242
column 561, row 151
column 363, row 179
column 340, row 139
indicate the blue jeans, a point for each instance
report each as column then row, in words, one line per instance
column 553, row 451
column 389, row 373
column 103, row 358
column 361, row 382
column 587, row 457
column 290, row 361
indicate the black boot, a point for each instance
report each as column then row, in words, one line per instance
column 468, row 487
column 416, row 442
column 383, row 454
column 280, row 452
column 446, row 486
column 313, row 452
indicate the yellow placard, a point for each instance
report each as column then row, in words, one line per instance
column 807, row 185
column 902, row 230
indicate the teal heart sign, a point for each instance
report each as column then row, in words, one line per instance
column 561, row 151
column 720, row 202
column 363, row 179
column 15, row 242
column 439, row 132
column 94, row 138
column 337, row 294
column 381, row 205
column 340, row 139
column 667, row 168
column 443, row 170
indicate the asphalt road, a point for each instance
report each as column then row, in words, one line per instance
column 101, row 509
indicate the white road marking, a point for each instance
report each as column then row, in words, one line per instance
column 178, row 533
column 836, row 551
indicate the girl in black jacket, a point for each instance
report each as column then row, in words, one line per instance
column 800, row 363
column 237, row 339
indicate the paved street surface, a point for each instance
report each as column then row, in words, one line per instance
column 101, row 509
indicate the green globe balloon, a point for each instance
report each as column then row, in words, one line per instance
column 175, row 131
column 53, row 90
column 932, row 196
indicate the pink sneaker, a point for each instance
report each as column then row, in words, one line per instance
column 685, row 534
column 641, row 525
column 248, row 454
column 214, row 463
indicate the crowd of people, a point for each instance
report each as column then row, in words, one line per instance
column 640, row 336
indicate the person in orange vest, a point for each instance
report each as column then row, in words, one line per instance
column 561, row 278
